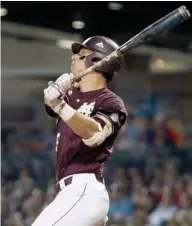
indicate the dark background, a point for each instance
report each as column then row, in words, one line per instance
column 99, row 19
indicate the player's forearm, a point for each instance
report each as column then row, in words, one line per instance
column 82, row 125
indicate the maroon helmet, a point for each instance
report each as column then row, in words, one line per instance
column 102, row 46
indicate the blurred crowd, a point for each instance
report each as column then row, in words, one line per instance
column 152, row 130
column 162, row 199
column 151, row 183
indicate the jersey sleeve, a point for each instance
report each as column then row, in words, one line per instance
column 114, row 110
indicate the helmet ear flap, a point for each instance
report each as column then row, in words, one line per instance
column 108, row 69
column 95, row 60
column 92, row 58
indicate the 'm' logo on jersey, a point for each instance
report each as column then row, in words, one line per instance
column 86, row 109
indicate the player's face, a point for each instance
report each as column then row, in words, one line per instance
column 78, row 61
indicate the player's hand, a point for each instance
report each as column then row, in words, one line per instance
column 65, row 82
column 53, row 95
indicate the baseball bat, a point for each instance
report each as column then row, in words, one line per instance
column 166, row 23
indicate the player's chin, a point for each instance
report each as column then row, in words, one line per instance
column 73, row 71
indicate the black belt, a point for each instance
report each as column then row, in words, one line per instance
column 68, row 181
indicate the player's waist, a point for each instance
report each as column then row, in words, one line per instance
column 78, row 178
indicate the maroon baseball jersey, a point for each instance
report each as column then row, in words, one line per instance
column 73, row 156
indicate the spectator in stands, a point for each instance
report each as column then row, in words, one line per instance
column 19, row 135
column 133, row 131
column 165, row 210
column 47, row 135
column 160, row 134
column 143, row 200
column 121, row 202
column 4, row 208
column 24, row 177
column 142, row 209
column 135, row 176
column 25, row 184
column 50, row 195
column 156, row 190
column 189, row 188
column 120, row 175
column 15, row 219
column 149, row 133
column 121, row 205
column 185, row 201
column 166, row 136
column 33, row 206
column 184, row 215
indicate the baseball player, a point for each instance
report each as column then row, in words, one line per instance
column 89, row 119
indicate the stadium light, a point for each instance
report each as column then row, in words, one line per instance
column 160, row 63
column 115, row 5
column 78, row 24
column 64, row 44
column 4, row 11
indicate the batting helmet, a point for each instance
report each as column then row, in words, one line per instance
column 102, row 46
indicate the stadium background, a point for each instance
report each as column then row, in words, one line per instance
column 149, row 176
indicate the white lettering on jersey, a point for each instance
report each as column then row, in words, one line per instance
column 86, row 108
column 57, row 141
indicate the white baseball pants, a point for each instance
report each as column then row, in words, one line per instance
column 84, row 202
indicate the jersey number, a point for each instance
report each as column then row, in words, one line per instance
column 57, row 141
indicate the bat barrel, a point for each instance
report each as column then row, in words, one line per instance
column 164, row 24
